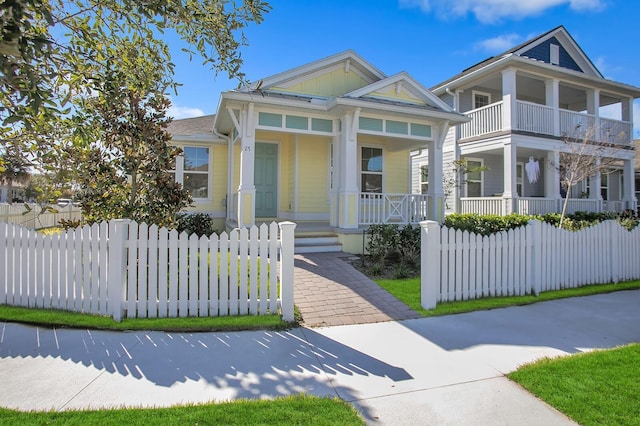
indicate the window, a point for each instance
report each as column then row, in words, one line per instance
column 481, row 99
column 554, row 54
column 371, row 170
column 604, row 186
column 474, row 178
column 192, row 170
column 424, row 179
column 519, row 170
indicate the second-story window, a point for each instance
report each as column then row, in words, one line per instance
column 481, row 99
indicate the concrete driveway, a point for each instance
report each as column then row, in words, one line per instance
column 436, row 371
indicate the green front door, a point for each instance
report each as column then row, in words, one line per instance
column 266, row 179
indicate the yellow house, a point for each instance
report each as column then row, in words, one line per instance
column 326, row 145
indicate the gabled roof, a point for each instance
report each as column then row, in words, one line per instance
column 527, row 50
column 348, row 59
column 402, row 88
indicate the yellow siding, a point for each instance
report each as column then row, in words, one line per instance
column 218, row 180
column 333, row 83
column 396, row 172
column 312, row 174
column 390, row 93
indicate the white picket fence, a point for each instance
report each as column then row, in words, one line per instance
column 124, row 269
column 34, row 218
column 539, row 257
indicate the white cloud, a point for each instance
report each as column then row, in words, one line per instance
column 492, row 11
column 178, row 112
column 498, row 44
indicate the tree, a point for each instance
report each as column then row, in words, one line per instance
column 14, row 168
column 49, row 50
column 456, row 176
column 584, row 157
column 85, row 82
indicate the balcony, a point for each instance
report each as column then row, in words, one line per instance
column 539, row 205
column 545, row 120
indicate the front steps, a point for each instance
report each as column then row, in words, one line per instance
column 316, row 243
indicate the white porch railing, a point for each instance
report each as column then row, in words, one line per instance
column 537, row 205
column 481, row 205
column 575, row 124
column 378, row 208
column 536, row 118
column 487, row 119
column 615, row 131
column 581, row 205
column 614, row 206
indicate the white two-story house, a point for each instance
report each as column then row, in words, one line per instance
column 526, row 106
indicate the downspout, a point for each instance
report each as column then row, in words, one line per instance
column 229, row 172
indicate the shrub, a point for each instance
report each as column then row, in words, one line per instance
column 485, row 224
column 196, row 223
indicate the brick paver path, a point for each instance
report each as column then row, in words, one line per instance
column 329, row 291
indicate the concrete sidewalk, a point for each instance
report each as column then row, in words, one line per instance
column 436, row 371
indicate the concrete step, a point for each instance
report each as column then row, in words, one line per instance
column 317, row 243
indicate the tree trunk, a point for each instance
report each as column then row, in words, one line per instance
column 564, row 206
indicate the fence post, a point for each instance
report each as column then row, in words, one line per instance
column 534, row 246
column 430, row 248
column 287, row 230
column 116, row 259
column 614, row 250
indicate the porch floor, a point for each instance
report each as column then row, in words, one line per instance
column 329, row 291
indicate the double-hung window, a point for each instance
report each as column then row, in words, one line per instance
column 481, row 99
column 371, row 170
column 424, row 179
column 474, row 178
column 193, row 169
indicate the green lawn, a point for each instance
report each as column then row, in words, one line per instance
column 296, row 410
column 408, row 291
column 596, row 388
column 55, row 318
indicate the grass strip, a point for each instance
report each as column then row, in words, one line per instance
column 64, row 319
column 298, row 410
column 594, row 388
column 408, row 291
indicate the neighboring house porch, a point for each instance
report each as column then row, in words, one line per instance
column 532, row 103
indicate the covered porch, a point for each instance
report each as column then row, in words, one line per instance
column 526, row 180
column 351, row 172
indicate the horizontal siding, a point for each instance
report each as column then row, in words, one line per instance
column 313, row 160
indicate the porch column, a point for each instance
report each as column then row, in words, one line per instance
column 436, row 190
column 627, row 115
column 593, row 107
column 348, row 202
column 552, row 97
column 509, row 199
column 334, row 177
column 552, row 176
column 629, row 188
column 247, row 189
column 509, row 115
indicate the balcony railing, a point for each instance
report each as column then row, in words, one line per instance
column 378, row 208
column 534, row 118
column 487, row 119
column 536, row 205
column 539, row 119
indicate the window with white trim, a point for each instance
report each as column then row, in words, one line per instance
column 519, row 175
column 193, row 170
column 481, row 99
column 371, row 169
column 474, row 177
column 424, row 179
column 604, row 186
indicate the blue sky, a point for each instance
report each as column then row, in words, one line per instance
column 430, row 39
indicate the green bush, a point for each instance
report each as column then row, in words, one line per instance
column 196, row 223
column 490, row 224
column 390, row 244
column 485, row 224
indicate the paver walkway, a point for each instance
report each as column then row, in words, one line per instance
column 329, row 291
